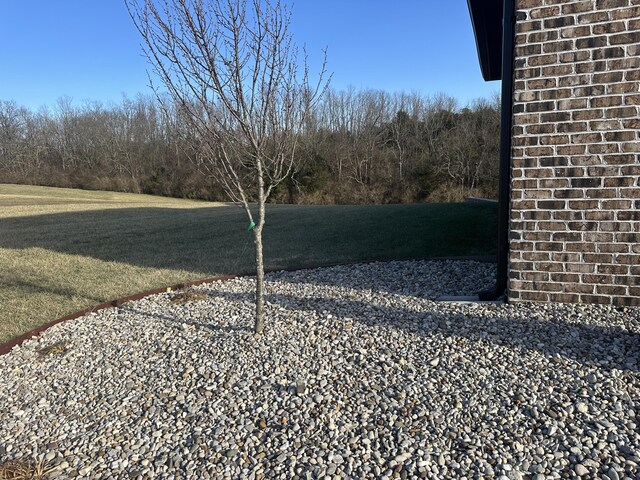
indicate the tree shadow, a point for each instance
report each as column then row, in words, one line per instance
column 185, row 321
column 560, row 330
column 216, row 240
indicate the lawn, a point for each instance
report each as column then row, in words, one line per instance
column 62, row 250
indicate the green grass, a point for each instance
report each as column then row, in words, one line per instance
column 62, row 250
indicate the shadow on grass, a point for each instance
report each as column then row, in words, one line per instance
column 216, row 241
column 31, row 287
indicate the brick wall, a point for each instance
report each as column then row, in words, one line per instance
column 575, row 209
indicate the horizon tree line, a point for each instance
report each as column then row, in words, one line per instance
column 356, row 146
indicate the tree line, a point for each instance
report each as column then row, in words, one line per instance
column 357, row 146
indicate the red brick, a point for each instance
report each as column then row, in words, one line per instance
column 625, row 38
column 613, row 269
column 567, row 150
column 537, row 236
column 574, row 32
column 534, row 296
column 580, row 268
column 595, row 299
column 585, row 160
column 621, row 159
column 618, row 181
column 611, row 290
column 627, row 280
column 609, row 27
column 540, row 60
column 566, row 215
column 600, row 125
column 579, row 288
column 591, row 67
column 565, row 298
column 577, row 7
column 600, row 193
column 547, row 287
column 548, row 266
column 573, row 104
column 553, row 183
column 589, row 114
column 621, row 112
column 598, row 237
column 561, row 46
column 524, row 27
column 621, row 88
column 606, row 53
column 632, row 100
column 597, row 279
column 631, row 147
column 603, row 148
column 568, row 193
column 542, row 37
column 616, row 204
column 536, row 257
column 595, row 17
column 609, row 4
column 633, row 12
column 554, row 139
column 620, row 136
column 566, row 257
column 540, row 128
column 592, row 42
column 599, row 215
column 574, row 57
column 583, row 204
column 538, row 13
column 599, row 102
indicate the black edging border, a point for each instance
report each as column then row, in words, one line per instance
column 8, row 346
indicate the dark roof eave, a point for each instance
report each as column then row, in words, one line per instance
column 486, row 18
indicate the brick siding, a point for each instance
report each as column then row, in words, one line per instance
column 575, row 190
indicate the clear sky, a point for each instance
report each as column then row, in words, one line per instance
column 90, row 50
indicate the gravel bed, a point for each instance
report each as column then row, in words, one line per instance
column 359, row 374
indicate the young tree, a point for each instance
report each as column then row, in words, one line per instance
column 233, row 70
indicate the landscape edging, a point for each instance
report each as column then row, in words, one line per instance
column 19, row 340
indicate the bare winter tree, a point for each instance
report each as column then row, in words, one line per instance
column 234, row 71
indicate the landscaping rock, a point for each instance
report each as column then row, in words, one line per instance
column 411, row 388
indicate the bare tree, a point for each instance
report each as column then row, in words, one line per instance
column 234, row 71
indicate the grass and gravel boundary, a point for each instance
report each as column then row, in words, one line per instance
column 64, row 250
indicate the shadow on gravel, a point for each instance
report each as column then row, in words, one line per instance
column 520, row 327
column 182, row 321
column 403, row 279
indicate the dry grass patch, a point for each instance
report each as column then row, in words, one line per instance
column 58, row 348
column 28, row 200
column 39, row 285
column 188, row 296
column 29, row 469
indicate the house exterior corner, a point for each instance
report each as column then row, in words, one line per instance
column 574, row 231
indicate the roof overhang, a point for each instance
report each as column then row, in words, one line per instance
column 486, row 18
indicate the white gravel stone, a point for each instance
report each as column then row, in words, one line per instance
column 359, row 374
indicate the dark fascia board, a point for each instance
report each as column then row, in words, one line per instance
column 486, row 18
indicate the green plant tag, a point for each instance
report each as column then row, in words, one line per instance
column 251, row 225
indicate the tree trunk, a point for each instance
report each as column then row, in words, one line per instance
column 259, row 323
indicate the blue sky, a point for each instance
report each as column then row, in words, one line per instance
column 90, row 50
